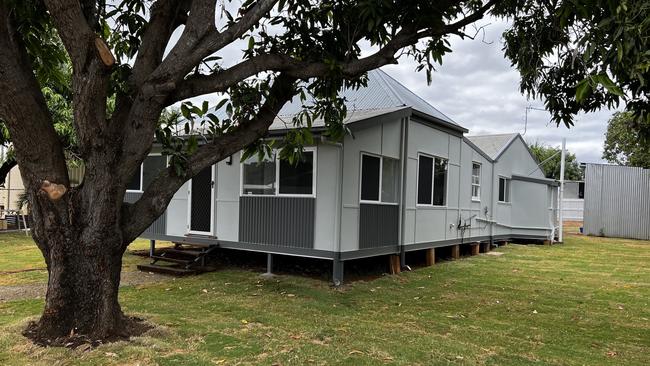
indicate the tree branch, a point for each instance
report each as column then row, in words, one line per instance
column 5, row 169
column 165, row 17
column 74, row 31
column 138, row 216
column 476, row 16
column 201, row 39
column 220, row 81
column 25, row 112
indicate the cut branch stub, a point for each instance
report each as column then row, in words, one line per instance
column 54, row 191
column 104, row 52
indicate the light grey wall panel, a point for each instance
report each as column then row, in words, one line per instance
column 350, row 228
column 158, row 227
column 530, row 204
column 390, row 139
column 378, row 225
column 454, row 149
column 430, row 223
column 177, row 213
column 427, row 140
column 617, row 201
column 328, row 187
column 227, row 199
column 283, row 221
column 453, row 186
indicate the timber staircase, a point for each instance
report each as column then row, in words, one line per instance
column 181, row 260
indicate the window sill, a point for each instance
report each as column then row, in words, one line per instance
column 378, row 203
column 430, row 207
column 279, row 195
column 476, row 200
column 134, row 191
column 504, row 203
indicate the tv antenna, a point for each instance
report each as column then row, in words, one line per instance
column 528, row 108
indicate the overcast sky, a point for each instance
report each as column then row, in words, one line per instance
column 477, row 88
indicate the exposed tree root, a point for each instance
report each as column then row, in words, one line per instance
column 129, row 327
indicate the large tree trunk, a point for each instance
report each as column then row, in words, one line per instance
column 82, row 290
column 80, row 238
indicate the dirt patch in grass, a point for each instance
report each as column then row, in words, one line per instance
column 36, row 291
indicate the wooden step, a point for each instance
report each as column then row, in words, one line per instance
column 172, row 260
column 174, row 271
column 189, row 252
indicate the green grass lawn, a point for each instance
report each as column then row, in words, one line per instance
column 584, row 302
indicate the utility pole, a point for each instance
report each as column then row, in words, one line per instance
column 561, row 229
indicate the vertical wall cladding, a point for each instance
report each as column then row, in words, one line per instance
column 282, row 221
column 159, row 226
column 378, row 225
column 380, row 139
column 617, row 201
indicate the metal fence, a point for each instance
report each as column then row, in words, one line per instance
column 617, row 201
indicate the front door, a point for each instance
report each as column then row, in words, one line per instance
column 201, row 203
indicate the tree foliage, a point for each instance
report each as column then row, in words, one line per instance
column 550, row 159
column 624, row 144
column 582, row 55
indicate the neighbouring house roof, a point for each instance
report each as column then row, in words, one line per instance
column 382, row 95
column 493, row 145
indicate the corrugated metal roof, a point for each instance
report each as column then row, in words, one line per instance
column 382, row 92
column 284, row 122
column 382, row 95
column 493, row 145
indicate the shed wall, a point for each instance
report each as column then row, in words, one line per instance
column 617, row 201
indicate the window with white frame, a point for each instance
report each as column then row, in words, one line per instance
column 504, row 189
column 273, row 176
column 476, row 181
column 379, row 179
column 432, row 181
column 149, row 169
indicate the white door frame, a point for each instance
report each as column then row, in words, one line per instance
column 189, row 205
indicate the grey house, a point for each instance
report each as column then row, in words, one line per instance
column 406, row 179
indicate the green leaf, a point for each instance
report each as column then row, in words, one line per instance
column 605, row 81
column 582, row 90
column 185, row 111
